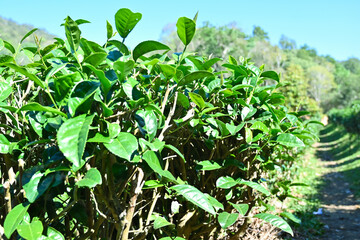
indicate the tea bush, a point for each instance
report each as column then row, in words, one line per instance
column 347, row 117
column 100, row 142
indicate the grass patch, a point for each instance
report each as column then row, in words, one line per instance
column 309, row 172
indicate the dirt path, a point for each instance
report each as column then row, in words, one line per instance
column 340, row 210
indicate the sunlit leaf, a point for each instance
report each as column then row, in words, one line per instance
column 14, row 218
column 72, row 33
column 226, row 182
column 186, row 28
column 72, row 137
column 91, row 179
column 255, row 186
column 289, row 140
column 34, row 106
column 30, row 230
column 125, row 21
column 123, row 146
column 194, row 196
column 275, row 221
column 146, row 47
column 241, row 208
column 28, row 34
column 291, row 216
column 197, row 99
column 271, row 75
column 226, row 219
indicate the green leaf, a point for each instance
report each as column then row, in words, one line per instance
column 210, row 62
column 248, row 135
column 171, row 147
column 121, row 46
column 197, row 99
column 275, row 221
column 99, row 138
column 255, row 186
column 9, row 47
column 149, row 184
column 64, row 84
column 83, row 97
column 241, row 208
column 186, row 28
column 91, row 179
column 194, row 196
column 183, row 100
column 232, row 60
column 30, row 185
column 160, row 222
column 72, row 33
column 34, row 106
column 237, row 69
column 226, row 219
column 146, row 47
column 81, row 21
column 125, row 21
column 5, row 90
column 167, row 70
column 56, row 68
column 14, row 218
column 271, row 75
column 72, row 137
column 124, row 67
column 113, row 129
column 124, row 146
column 234, row 129
column 109, row 30
column 194, row 76
column 214, row 202
column 260, row 126
column 105, row 82
column 24, row 72
column 153, row 161
column 289, row 140
column 147, row 122
column 95, row 58
column 207, row 165
column 54, row 234
column 4, row 144
column 28, row 34
column 32, row 230
column 6, row 59
column 225, row 182
column 291, row 216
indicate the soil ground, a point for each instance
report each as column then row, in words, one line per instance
column 340, row 209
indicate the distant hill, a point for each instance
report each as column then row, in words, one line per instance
column 13, row 32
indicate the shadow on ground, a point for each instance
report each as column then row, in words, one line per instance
column 340, row 155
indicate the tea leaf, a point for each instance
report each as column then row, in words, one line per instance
column 275, row 221
column 194, row 196
column 226, row 219
column 14, row 218
column 125, row 21
column 186, row 28
column 146, row 47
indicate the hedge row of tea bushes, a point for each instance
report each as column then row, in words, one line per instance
column 348, row 117
column 100, row 142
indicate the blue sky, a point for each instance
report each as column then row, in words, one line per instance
column 331, row 27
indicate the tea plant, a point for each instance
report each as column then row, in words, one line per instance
column 100, row 142
column 347, row 117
